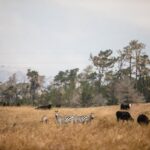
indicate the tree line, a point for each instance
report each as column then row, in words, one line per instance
column 108, row 80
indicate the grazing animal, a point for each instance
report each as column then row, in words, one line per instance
column 73, row 118
column 44, row 119
column 63, row 119
column 49, row 106
column 18, row 104
column 59, row 118
column 123, row 115
column 5, row 103
column 58, row 105
column 125, row 106
column 83, row 119
column 143, row 119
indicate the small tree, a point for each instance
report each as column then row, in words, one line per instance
column 103, row 62
column 34, row 84
column 125, row 92
column 86, row 93
column 10, row 95
column 65, row 82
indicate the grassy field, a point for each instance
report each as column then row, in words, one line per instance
column 21, row 129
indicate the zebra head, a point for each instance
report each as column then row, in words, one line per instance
column 92, row 116
column 57, row 114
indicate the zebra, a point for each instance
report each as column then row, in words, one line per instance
column 73, row 118
column 59, row 118
column 84, row 118
column 63, row 119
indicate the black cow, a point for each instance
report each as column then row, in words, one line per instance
column 143, row 119
column 125, row 106
column 49, row 106
column 2, row 103
column 123, row 115
column 58, row 105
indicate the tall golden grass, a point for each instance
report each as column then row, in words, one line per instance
column 21, row 129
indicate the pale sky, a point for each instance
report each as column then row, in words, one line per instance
column 54, row 35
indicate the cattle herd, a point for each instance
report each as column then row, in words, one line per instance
column 48, row 106
column 142, row 119
column 122, row 114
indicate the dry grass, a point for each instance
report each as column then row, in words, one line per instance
column 21, row 129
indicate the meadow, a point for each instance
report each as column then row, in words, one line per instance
column 21, row 129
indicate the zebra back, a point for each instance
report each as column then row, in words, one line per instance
column 84, row 118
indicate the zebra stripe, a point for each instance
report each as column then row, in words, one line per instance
column 84, row 118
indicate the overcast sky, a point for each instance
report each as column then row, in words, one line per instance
column 54, row 35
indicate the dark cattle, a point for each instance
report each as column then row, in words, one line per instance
column 58, row 105
column 6, row 104
column 49, row 106
column 143, row 119
column 123, row 115
column 125, row 106
column 18, row 104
